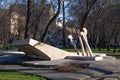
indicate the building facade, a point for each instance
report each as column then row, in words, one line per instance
column 39, row 18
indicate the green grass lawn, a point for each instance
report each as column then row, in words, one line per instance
column 12, row 75
column 96, row 51
column 118, row 79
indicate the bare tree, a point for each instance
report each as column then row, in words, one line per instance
column 89, row 5
column 50, row 22
column 98, row 19
column 38, row 16
column 27, row 19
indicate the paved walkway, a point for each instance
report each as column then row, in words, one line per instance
column 107, row 69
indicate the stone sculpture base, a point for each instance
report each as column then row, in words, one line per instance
column 95, row 58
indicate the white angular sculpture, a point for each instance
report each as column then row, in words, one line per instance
column 87, row 47
column 41, row 50
column 71, row 40
column 82, row 36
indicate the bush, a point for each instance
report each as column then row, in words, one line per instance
column 72, row 67
column 1, row 47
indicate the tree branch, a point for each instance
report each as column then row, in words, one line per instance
column 84, row 17
column 50, row 22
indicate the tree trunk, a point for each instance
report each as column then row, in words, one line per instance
column 84, row 17
column 36, row 22
column 115, row 42
column 27, row 20
column 108, row 45
column 64, row 27
column 50, row 22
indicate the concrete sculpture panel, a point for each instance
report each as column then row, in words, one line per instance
column 40, row 50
